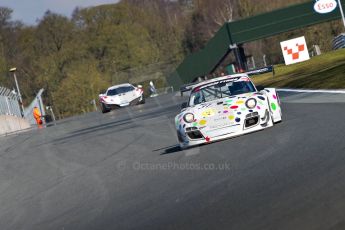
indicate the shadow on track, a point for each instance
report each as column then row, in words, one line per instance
column 169, row 149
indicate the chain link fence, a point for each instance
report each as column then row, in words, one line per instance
column 9, row 104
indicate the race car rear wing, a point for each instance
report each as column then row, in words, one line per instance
column 266, row 69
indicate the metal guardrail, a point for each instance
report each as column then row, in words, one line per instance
column 9, row 104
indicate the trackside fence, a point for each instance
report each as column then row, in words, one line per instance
column 28, row 112
column 9, row 104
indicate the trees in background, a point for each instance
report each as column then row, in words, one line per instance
column 74, row 58
column 205, row 20
column 6, row 27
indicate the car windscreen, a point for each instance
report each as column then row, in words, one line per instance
column 221, row 89
column 120, row 90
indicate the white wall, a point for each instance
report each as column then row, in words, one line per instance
column 10, row 124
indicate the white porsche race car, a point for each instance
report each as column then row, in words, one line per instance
column 226, row 107
column 119, row 96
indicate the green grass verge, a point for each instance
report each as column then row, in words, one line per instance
column 326, row 71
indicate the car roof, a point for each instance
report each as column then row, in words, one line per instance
column 219, row 79
column 118, row 86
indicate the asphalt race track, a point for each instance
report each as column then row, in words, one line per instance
column 123, row 170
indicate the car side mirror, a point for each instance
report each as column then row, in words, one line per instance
column 260, row 87
column 184, row 105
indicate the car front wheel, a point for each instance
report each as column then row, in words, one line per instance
column 104, row 109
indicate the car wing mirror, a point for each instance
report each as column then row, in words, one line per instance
column 184, row 105
column 260, row 87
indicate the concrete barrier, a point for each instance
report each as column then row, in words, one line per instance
column 10, row 124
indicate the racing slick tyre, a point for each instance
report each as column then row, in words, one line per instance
column 104, row 109
column 271, row 122
column 271, row 114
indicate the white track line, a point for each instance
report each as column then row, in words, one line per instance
column 340, row 91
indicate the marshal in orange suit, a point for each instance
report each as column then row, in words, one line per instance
column 37, row 116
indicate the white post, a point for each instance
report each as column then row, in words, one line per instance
column 52, row 112
column 264, row 58
column 253, row 61
column 8, row 106
column 94, row 104
column 341, row 12
column 19, row 94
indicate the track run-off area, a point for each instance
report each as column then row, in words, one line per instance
column 123, row 170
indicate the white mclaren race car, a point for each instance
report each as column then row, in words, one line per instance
column 225, row 107
column 119, row 96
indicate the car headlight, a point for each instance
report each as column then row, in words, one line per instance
column 188, row 117
column 251, row 103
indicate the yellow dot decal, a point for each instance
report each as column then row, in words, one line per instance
column 208, row 112
column 202, row 122
column 239, row 102
column 231, row 117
